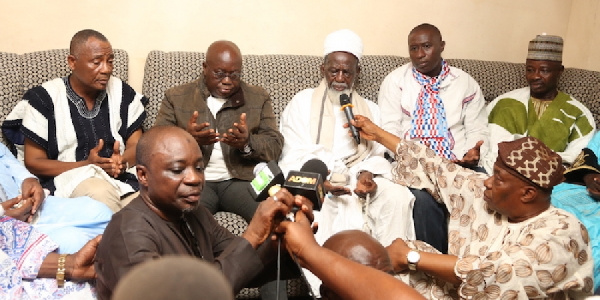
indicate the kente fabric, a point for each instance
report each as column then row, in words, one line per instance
column 429, row 124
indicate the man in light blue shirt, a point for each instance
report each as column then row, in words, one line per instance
column 70, row 222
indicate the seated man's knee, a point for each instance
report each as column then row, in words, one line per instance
column 100, row 190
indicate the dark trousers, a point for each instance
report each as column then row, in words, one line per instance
column 431, row 220
column 231, row 195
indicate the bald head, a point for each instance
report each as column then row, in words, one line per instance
column 170, row 171
column 155, row 137
column 360, row 247
column 223, row 50
column 174, row 277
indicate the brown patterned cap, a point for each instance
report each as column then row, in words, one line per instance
column 545, row 47
column 530, row 159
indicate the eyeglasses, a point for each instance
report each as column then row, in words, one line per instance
column 221, row 75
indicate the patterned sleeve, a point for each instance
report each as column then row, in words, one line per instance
column 419, row 167
column 547, row 257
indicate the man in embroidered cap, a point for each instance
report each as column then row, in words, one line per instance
column 505, row 238
column 313, row 127
column 441, row 106
column 541, row 110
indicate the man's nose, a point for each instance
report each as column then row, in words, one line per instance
column 106, row 68
column 194, row 177
column 226, row 80
column 488, row 182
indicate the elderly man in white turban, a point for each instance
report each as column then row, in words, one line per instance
column 313, row 127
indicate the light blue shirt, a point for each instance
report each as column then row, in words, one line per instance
column 12, row 172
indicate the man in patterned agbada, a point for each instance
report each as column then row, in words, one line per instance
column 506, row 240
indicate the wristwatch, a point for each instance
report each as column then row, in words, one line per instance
column 247, row 149
column 413, row 258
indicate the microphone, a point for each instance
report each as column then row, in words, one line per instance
column 307, row 182
column 347, row 108
column 266, row 175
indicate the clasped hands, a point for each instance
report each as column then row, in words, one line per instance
column 114, row 165
column 24, row 206
column 237, row 136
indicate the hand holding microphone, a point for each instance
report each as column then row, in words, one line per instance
column 347, row 108
column 308, row 182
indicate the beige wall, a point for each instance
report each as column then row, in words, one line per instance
column 481, row 29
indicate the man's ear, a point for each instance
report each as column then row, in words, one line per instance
column 71, row 59
column 443, row 46
column 529, row 194
column 141, row 175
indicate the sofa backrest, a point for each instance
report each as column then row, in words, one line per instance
column 20, row 72
column 285, row 75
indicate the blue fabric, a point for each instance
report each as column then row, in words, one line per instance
column 72, row 222
column 576, row 200
column 12, row 172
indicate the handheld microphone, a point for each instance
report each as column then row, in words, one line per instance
column 347, row 108
column 307, row 182
column 266, row 175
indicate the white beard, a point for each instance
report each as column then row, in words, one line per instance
column 334, row 95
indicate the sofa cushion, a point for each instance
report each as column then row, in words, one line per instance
column 11, row 84
column 165, row 70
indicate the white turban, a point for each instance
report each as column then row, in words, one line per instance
column 344, row 40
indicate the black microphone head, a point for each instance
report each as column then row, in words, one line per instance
column 315, row 165
column 307, row 184
column 344, row 99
